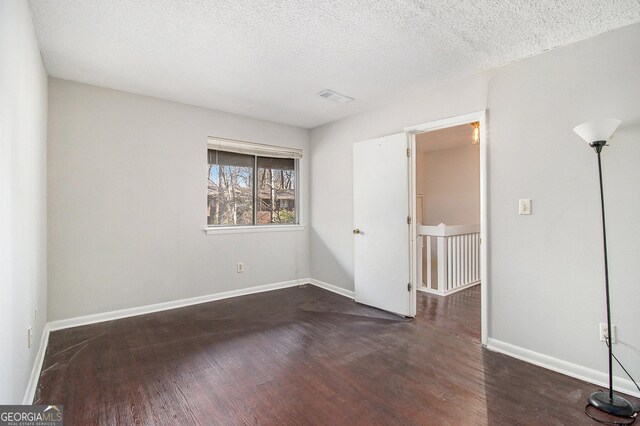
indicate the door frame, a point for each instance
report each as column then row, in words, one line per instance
column 480, row 116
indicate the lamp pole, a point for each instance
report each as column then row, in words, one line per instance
column 608, row 402
column 597, row 146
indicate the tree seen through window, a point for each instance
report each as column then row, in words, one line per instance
column 232, row 191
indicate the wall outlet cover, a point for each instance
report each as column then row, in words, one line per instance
column 524, row 206
column 603, row 332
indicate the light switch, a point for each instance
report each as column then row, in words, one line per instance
column 524, row 206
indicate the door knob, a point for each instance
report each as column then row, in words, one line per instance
column 356, row 231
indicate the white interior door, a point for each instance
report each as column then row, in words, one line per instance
column 381, row 231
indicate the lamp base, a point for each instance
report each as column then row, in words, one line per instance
column 618, row 406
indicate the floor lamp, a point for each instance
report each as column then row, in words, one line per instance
column 596, row 134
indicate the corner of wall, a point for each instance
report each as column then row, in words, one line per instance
column 23, row 212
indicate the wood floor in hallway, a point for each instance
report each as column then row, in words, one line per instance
column 301, row 356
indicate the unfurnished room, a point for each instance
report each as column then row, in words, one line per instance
column 394, row 212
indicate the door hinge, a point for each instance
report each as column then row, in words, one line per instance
column 409, row 287
column 408, row 220
column 408, row 152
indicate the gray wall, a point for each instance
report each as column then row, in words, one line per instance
column 23, row 226
column 127, row 204
column 546, row 273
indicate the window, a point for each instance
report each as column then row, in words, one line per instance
column 276, row 190
column 251, row 184
column 230, row 200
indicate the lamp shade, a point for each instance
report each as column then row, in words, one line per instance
column 599, row 130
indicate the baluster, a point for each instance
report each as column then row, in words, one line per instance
column 444, row 266
column 466, row 258
column 460, row 253
column 470, row 254
column 450, row 264
column 473, row 257
column 454, row 283
column 419, row 257
column 476, row 257
column 463, row 266
column 463, row 259
column 458, row 260
column 454, row 264
column 428, row 262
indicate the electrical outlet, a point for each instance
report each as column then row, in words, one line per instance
column 240, row 267
column 29, row 337
column 524, row 207
column 604, row 332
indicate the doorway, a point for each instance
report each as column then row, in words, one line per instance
column 385, row 230
column 449, row 232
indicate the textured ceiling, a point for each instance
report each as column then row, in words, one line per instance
column 268, row 59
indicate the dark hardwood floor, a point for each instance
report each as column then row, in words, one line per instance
column 301, row 356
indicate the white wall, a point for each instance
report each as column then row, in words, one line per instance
column 449, row 180
column 127, row 203
column 546, row 273
column 23, row 226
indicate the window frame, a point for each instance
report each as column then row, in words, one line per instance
column 259, row 150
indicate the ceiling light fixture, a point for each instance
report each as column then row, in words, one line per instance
column 476, row 132
column 335, row 97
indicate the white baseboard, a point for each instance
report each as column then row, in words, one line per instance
column 447, row 292
column 157, row 307
column 620, row 384
column 333, row 288
column 141, row 310
column 32, row 384
column 599, row 378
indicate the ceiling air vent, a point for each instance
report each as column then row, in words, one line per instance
column 335, row 97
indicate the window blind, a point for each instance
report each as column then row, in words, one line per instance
column 276, row 163
column 223, row 158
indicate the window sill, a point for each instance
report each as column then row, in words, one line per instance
column 252, row 229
